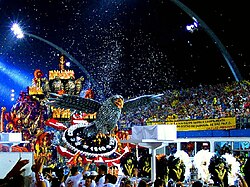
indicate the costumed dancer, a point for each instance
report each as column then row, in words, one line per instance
column 246, row 171
column 176, row 169
column 201, row 162
column 219, row 169
column 234, row 168
column 89, row 94
column 128, row 164
column 145, row 166
column 185, row 160
column 37, row 80
column 179, row 166
column 46, row 87
column 70, row 86
column 57, row 85
column 78, row 85
column 162, row 169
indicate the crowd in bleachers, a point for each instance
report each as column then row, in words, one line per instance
column 202, row 102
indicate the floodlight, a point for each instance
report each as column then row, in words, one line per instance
column 17, row 30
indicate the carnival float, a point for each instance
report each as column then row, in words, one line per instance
column 55, row 122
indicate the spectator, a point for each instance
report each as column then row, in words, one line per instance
column 86, row 183
column 75, row 177
column 125, row 182
column 110, row 180
column 93, row 175
column 143, row 183
column 159, row 183
column 14, row 177
column 197, row 184
column 100, row 179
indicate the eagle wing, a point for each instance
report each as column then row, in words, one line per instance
column 74, row 102
column 141, row 101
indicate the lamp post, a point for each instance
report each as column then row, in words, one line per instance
column 223, row 50
column 20, row 34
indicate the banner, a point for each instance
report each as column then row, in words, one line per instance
column 195, row 125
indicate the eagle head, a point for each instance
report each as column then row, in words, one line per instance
column 118, row 100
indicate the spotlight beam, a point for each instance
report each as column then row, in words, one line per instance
column 218, row 43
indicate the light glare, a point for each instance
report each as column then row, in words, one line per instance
column 68, row 64
column 17, row 31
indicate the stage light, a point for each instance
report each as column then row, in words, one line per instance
column 12, row 95
column 17, row 30
column 193, row 27
column 68, row 64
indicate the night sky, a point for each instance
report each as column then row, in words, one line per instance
column 127, row 47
